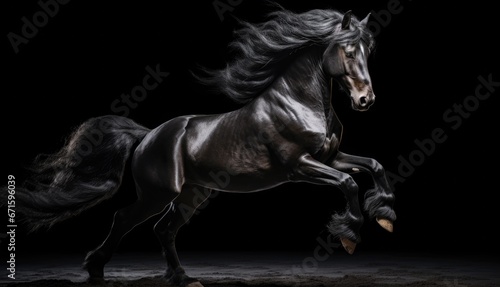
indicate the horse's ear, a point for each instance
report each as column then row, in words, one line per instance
column 346, row 21
column 364, row 22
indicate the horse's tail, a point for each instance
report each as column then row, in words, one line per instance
column 85, row 172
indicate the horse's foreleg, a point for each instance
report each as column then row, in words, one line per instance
column 379, row 200
column 167, row 227
column 345, row 226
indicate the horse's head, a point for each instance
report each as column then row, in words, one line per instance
column 346, row 60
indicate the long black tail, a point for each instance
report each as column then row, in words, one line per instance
column 86, row 171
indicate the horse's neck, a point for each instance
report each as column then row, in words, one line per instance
column 304, row 79
column 304, row 82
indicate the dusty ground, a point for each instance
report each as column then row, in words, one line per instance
column 250, row 269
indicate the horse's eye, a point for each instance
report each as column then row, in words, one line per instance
column 349, row 55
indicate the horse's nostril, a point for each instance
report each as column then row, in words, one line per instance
column 363, row 101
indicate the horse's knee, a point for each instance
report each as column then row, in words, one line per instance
column 348, row 185
column 377, row 168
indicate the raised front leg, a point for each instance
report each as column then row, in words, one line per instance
column 345, row 226
column 380, row 199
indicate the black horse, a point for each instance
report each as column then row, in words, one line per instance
column 285, row 131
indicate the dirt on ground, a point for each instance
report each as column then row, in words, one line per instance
column 273, row 270
column 346, row 281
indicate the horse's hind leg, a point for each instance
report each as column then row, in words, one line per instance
column 166, row 229
column 124, row 221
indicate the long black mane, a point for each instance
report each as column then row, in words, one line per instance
column 262, row 49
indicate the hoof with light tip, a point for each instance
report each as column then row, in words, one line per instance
column 386, row 224
column 348, row 245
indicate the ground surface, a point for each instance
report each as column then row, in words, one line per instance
column 251, row 269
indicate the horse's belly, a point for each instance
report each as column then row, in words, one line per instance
column 235, row 168
column 225, row 180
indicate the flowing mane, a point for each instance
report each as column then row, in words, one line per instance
column 262, row 49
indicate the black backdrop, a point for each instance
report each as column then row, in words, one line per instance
column 428, row 59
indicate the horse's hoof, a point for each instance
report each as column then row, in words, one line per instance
column 96, row 271
column 194, row 284
column 348, row 245
column 95, row 281
column 386, row 224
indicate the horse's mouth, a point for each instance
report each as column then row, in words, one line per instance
column 361, row 105
column 360, row 109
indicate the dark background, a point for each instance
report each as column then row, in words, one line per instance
column 427, row 59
